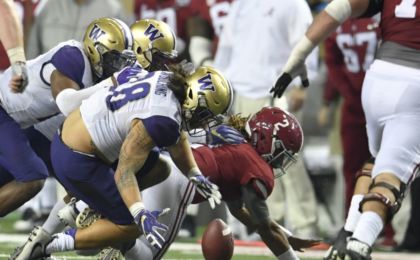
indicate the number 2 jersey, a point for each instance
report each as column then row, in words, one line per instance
column 36, row 103
column 108, row 113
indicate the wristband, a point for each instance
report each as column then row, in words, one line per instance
column 136, row 208
column 193, row 172
column 16, row 54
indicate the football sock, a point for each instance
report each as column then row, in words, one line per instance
column 53, row 224
column 139, row 251
column 369, row 227
column 48, row 196
column 354, row 213
column 62, row 242
column 288, row 255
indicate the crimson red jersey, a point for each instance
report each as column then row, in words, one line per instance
column 348, row 54
column 232, row 166
column 174, row 12
column 400, row 22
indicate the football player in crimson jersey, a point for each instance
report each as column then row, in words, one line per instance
column 390, row 103
column 205, row 28
column 348, row 54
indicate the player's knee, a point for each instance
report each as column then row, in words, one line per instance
column 385, row 196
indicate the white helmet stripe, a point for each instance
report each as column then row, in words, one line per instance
column 127, row 34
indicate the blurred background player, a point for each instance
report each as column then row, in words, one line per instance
column 394, row 72
column 11, row 36
column 277, row 29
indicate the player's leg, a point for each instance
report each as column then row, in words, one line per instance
column 18, row 158
column 391, row 102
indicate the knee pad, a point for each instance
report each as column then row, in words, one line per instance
column 392, row 207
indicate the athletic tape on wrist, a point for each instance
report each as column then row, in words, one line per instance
column 340, row 10
column 193, row 172
column 16, row 54
column 136, row 208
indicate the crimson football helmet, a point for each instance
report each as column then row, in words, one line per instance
column 277, row 136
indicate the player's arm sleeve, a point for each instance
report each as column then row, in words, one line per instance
column 70, row 62
column 254, row 195
column 163, row 130
column 375, row 7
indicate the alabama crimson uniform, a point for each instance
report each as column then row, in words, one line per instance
column 214, row 12
column 348, row 54
column 233, row 166
column 400, row 22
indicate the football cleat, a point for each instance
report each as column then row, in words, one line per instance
column 338, row 249
column 34, row 248
column 110, row 253
column 68, row 214
column 87, row 218
column 357, row 250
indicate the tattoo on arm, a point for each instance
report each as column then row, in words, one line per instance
column 133, row 154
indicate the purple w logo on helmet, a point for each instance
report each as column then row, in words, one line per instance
column 206, row 83
column 153, row 33
column 96, row 32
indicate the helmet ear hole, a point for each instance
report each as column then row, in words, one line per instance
column 139, row 50
column 190, row 94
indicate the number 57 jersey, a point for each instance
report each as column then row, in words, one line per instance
column 109, row 112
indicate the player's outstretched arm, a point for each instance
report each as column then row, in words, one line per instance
column 183, row 158
column 323, row 25
column 133, row 154
column 11, row 36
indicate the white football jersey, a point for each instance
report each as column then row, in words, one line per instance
column 109, row 112
column 36, row 103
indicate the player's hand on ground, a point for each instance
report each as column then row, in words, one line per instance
column 19, row 80
column 223, row 134
column 299, row 244
column 149, row 225
column 207, row 189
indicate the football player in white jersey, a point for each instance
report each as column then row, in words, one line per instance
column 70, row 64
column 122, row 125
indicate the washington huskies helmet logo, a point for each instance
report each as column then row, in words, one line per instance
column 206, row 83
column 96, row 32
column 153, row 33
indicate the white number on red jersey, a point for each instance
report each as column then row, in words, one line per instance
column 406, row 9
column 346, row 41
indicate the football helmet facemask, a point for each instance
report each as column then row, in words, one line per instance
column 108, row 43
column 277, row 136
column 208, row 95
column 154, row 44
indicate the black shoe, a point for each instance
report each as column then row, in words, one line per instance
column 338, row 249
column 358, row 250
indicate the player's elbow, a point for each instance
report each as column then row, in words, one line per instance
column 65, row 101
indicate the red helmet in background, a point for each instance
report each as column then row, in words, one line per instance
column 277, row 136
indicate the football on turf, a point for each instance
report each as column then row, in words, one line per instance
column 217, row 242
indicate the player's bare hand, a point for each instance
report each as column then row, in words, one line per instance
column 207, row 189
column 148, row 223
column 19, row 80
column 299, row 244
